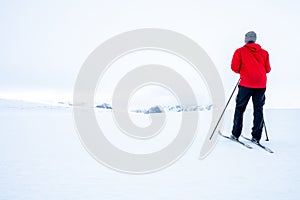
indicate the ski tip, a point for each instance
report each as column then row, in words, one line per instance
column 259, row 144
column 270, row 151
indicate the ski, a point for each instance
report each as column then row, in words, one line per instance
column 258, row 144
column 242, row 143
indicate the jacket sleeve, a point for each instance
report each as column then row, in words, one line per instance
column 236, row 61
column 267, row 65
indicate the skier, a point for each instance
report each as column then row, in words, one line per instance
column 252, row 63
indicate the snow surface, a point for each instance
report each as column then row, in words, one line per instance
column 41, row 157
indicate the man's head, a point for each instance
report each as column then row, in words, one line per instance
column 250, row 37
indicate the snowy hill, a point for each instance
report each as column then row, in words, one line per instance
column 29, row 105
column 41, row 150
column 21, row 104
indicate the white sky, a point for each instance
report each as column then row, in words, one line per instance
column 44, row 43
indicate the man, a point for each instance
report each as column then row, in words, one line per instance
column 252, row 63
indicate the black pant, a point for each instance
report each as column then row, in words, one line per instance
column 242, row 99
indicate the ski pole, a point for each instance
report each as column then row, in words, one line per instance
column 224, row 109
column 267, row 138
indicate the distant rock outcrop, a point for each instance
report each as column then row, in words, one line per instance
column 104, row 106
column 161, row 109
column 155, row 109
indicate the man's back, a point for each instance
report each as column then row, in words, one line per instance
column 252, row 63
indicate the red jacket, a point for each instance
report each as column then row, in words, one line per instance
column 252, row 63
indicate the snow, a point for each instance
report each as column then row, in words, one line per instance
column 41, row 157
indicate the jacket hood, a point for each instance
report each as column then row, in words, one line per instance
column 253, row 47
